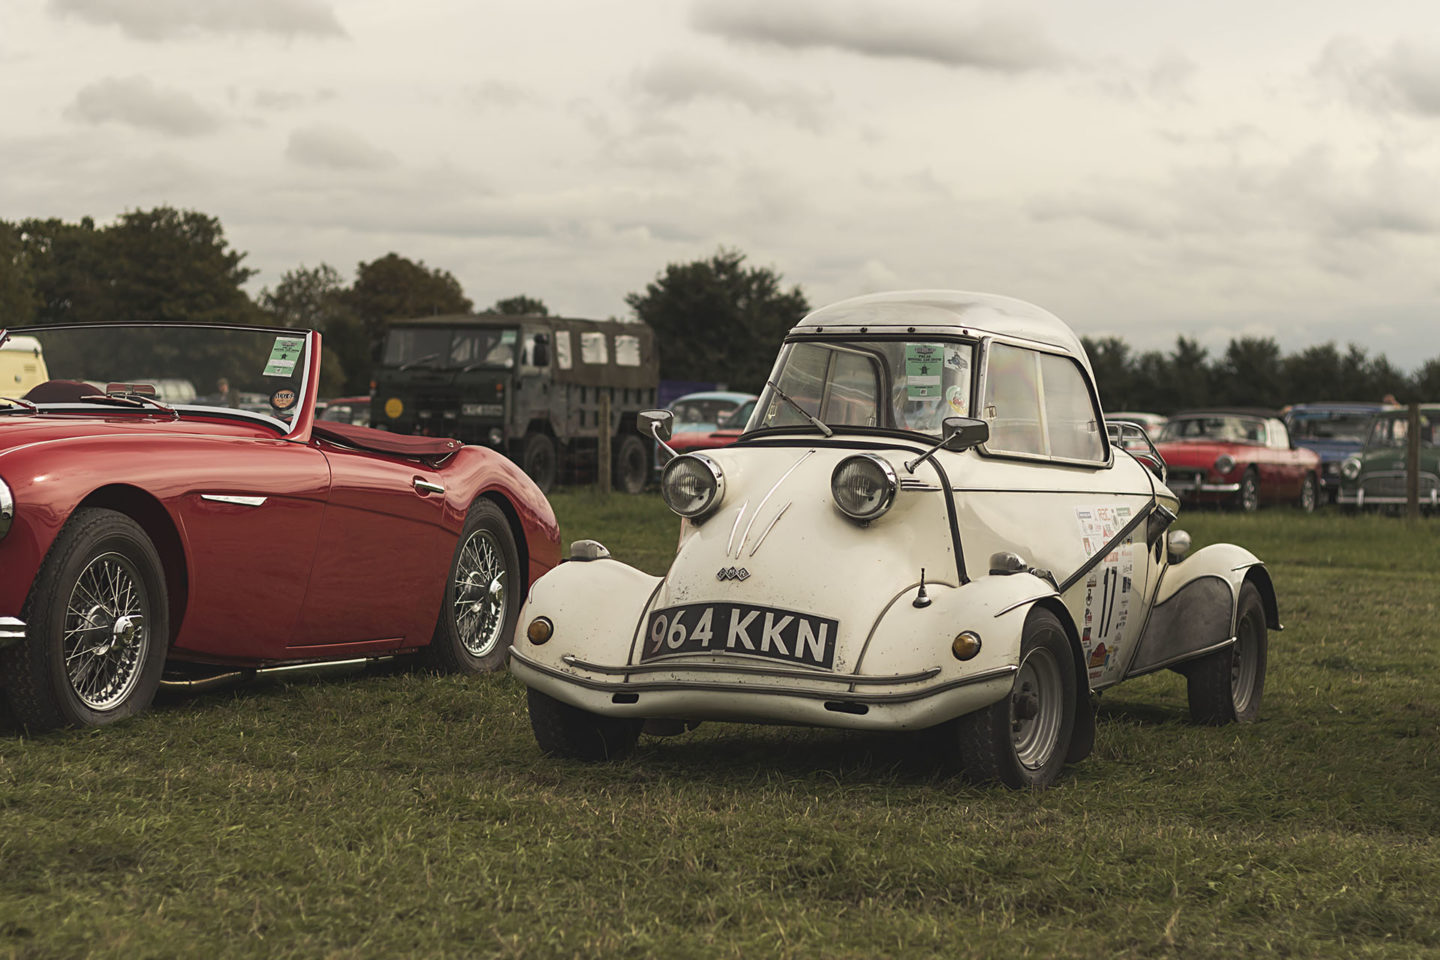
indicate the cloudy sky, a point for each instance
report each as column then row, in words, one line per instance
column 1143, row 169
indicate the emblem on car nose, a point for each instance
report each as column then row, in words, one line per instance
column 732, row 573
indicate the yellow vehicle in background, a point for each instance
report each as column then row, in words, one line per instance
column 22, row 365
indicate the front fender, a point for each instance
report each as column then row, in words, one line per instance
column 596, row 606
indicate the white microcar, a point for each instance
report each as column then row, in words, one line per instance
column 924, row 526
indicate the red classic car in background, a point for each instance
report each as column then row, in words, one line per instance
column 730, row 428
column 1238, row 457
column 144, row 541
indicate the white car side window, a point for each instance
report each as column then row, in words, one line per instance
column 1012, row 401
column 1070, row 415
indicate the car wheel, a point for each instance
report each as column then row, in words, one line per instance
column 98, row 626
column 540, row 460
column 1309, row 494
column 1249, row 497
column 575, row 734
column 632, row 464
column 482, row 596
column 1226, row 686
column 1022, row 739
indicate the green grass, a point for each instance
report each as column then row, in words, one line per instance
column 397, row 814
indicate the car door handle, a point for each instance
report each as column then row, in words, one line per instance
column 425, row 486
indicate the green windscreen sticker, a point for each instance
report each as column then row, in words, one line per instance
column 923, row 363
column 284, row 355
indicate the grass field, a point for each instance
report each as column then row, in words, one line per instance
column 391, row 813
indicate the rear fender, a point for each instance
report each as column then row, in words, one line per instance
column 1195, row 607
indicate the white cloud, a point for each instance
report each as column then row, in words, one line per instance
column 1405, row 78
column 872, row 28
column 680, row 81
column 136, row 101
column 169, row 19
column 335, row 148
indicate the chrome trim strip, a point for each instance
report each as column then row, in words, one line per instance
column 768, row 529
column 739, row 515
column 1190, row 655
column 874, row 699
column 783, row 477
column 750, row 669
column 11, row 629
column 228, row 498
column 425, row 486
column 1021, row 603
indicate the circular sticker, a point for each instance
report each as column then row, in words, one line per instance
column 955, row 396
column 393, row 408
column 284, row 398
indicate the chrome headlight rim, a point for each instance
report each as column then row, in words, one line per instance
column 7, row 508
column 1350, row 469
column 1224, row 464
column 711, row 470
column 889, row 479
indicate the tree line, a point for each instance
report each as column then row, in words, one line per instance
column 715, row 319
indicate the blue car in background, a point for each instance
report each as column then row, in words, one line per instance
column 1334, row 430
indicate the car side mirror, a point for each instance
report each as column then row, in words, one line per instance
column 962, row 433
column 656, row 424
column 540, row 353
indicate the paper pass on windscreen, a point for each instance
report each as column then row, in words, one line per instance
column 284, row 355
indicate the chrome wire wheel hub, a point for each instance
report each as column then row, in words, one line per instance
column 104, row 634
column 480, row 596
column 1035, row 709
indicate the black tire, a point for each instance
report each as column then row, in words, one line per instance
column 482, row 597
column 540, row 460
column 1022, row 740
column 1227, row 686
column 98, row 628
column 1309, row 494
column 631, row 467
column 1248, row 499
column 575, row 734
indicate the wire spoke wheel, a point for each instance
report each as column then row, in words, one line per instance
column 105, row 632
column 1037, row 709
column 480, row 594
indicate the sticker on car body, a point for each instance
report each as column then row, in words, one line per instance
column 768, row 632
column 1107, row 588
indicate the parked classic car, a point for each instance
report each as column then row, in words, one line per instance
column 1332, row 430
column 1377, row 475
column 145, row 542
column 924, row 527
column 1152, row 422
column 726, row 433
column 1238, row 457
column 702, row 412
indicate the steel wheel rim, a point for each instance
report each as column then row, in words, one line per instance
column 1244, row 664
column 480, row 594
column 1307, row 496
column 1036, row 707
column 1249, row 494
column 105, row 636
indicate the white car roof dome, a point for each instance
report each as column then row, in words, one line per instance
column 976, row 313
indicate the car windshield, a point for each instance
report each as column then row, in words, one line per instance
column 702, row 410
column 1395, row 432
column 449, row 348
column 895, row 384
column 1222, row 429
column 1344, row 427
column 177, row 367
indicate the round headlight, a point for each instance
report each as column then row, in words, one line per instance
column 1224, row 463
column 863, row 486
column 692, row 485
column 7, row 508
column 1350, row 469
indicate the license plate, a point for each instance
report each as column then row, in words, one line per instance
column 768, row 632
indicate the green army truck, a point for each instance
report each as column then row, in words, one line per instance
column 529, row 386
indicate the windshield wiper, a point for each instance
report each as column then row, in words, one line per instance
column 133, row 400
column 819, row 424
column 21, row 402
column 419, row 360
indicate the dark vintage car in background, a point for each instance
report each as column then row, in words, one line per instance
column 1334, row 430
column 144, row 541
column 1237, row 457
column 1377, row 475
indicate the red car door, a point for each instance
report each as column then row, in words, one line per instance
column 382, row 555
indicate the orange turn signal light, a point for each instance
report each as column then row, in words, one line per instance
column 540, row 630
column 966, row 645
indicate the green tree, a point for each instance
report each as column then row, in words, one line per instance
column 1110, row 359
column 17, row 284
column 717, row 320
column 1251, row 374
column 521, row 305
column 1190, row 376
column 1425, row 385
column 317, row 298
column 393, row 287
column 167, row 264
column 67, row 270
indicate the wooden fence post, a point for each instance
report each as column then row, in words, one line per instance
column 604, row 445
column 1412, row 465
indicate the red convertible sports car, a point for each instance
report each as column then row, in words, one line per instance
column 1238, row 457
column 146, row 539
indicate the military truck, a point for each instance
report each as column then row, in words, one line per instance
column 529, row 386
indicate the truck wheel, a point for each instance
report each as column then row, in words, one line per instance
column 1022, row 740
column 1226, row 686
column 632, row 464
column 575, row 734
column 97, row 628
column 540, row 460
